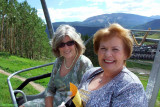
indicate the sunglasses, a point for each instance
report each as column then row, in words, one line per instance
column 69, row 43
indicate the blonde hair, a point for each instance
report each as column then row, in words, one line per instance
column 114, row 30
column 61, row 32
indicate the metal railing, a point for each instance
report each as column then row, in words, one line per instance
column 12, row 92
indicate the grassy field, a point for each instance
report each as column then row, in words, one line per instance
column 144, row 80
column 5, row 99
column 137, row 64
column 12, row 64
column 155, row 36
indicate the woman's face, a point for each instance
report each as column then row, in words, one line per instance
column 67, row 50
column 111, row 55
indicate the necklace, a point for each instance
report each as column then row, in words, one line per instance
column 72, row 62
column 100, row 81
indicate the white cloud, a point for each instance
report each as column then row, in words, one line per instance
column 96, row 0
column 70, row 14
column 140, row 7
column 40, row 13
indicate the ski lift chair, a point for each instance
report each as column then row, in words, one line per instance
column 17, row 101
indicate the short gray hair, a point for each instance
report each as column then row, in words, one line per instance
column 61, row 32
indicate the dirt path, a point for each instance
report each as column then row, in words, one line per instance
column 35, row 85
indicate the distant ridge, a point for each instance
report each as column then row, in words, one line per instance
column 126, row 20
column 156, row 16
column 83, row 30
column 154, row 25
column 92, row 24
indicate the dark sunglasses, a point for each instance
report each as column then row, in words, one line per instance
column 69, row 43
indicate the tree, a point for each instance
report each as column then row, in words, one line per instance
column 22, row 31
column 3, row 7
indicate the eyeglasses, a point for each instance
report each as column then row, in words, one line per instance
column 69, row 43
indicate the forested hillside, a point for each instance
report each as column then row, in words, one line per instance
column 22, row 32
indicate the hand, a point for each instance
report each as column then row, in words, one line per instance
column 62, row 104
column 49, row 101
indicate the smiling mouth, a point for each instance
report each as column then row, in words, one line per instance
column 107, row 61
column 67, row 52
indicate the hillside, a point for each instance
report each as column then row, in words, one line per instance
column 154, row 25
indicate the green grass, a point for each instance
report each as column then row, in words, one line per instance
column 154, row 36
column 137, row 64
column 12, row 64
column 5, row 99
column 144, row 80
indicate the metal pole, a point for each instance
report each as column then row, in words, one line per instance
column 138, row 30
column 153, row 85
column 49, row 24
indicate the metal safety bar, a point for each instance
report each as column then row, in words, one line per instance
column 23, row 94
column 33, row 79
column 10, row 86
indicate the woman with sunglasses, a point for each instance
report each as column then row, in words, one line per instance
column 69, row 66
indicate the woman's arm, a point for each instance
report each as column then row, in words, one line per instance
column 51, row 88
column 49, row 101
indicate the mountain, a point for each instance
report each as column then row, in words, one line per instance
column 92, row 24
column 154, row 25
column 155, row 17
column 126, row 20
column 83, row 30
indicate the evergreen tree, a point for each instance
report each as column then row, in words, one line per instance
column 22, row 32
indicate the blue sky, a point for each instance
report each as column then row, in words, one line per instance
column 79, row 10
